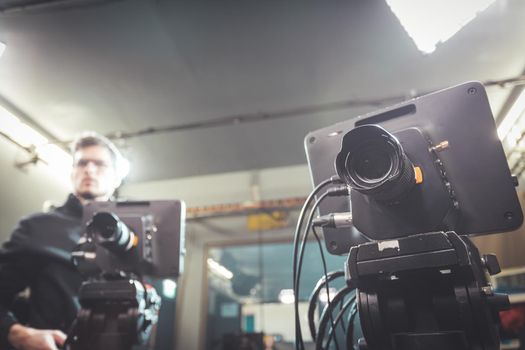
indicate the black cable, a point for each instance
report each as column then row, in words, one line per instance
column 336, row 191
column 318, row 188
column 298, row 264
column 350, row 329
column 327, row 315
column 339, row 318
column 312, row 301
column 299, row 344
column 325, row 270
column 343, row 326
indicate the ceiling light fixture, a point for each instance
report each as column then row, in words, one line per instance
column 32, row 141
column 430, row 22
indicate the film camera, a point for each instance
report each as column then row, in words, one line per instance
column 422, row 176
column 124, row 244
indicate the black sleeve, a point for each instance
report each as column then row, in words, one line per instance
column 15, row 274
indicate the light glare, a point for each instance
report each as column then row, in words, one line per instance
column 18, row 131
column 286, row 296
column 514, row 113
column 169, row 288
column 429, row 22
column 219, row 270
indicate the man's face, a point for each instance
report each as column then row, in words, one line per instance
column 93, row 176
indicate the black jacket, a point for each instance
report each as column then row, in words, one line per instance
column 37, row 256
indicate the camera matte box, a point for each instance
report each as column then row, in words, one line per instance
column 474, row 161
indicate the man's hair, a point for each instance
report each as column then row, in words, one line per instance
column 89, row 138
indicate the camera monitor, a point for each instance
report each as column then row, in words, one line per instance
column 145, row 238
column 429, row 164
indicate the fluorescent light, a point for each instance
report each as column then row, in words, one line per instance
column 429, row 22
column 18, row 131
column 286, row 296
column 219, row 270
column 2, row 48
column 514, row 113
column 58, row 159
column 55, row 156
column 169, row 289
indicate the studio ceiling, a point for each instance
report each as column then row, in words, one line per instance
column 125, row 66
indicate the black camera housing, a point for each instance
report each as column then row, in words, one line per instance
column 467, row 186
column 134, row 238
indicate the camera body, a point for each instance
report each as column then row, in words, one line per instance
column 133, row 238
column 449, row 139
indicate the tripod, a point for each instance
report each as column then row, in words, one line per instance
column 427, row 291
column 115, row 314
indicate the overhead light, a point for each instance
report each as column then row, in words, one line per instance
column 219, row 270
column 430, row 22
column 169, row 288
column 507, row 127
column 286, row 296
column 22, row 134
column 2, row 48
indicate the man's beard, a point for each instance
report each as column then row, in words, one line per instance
column 88, row 196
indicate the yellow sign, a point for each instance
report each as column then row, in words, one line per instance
column 268, row 221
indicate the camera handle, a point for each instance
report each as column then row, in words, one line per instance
column 115, row 314
column 426, row 291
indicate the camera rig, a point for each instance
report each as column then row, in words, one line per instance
column 420, row 177
column 124, row 244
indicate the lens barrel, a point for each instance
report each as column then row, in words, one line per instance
column 110, row 232
column 372, row 162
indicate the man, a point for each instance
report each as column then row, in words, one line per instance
column 37, row 255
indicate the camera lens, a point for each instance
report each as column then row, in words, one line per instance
column 109, row 231
column 372, row 162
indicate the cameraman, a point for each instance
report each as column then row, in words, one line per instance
column 37, row 255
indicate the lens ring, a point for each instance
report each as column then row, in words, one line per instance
column 373, row 162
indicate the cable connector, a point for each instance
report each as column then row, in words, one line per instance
column 341, row 190
column 335, row 179
column 334, row 220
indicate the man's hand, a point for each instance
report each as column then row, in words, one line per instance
column 26, row 338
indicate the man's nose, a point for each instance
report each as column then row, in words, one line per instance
column 90, row 167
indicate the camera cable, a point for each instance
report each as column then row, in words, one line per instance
column 312, row 302
column 298, row 262
column 299, row 344
column 327, row 316
column 339, row 318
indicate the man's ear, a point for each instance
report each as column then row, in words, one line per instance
column 117, row 182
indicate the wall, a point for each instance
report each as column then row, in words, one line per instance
column 278, row 319
column 24, row 191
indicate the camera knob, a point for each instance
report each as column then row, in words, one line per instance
column 490, row 261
